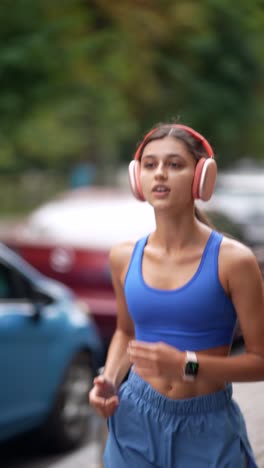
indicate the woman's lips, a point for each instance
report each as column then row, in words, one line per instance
column 160, row 191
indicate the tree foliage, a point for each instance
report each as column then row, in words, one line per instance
column 84, row 80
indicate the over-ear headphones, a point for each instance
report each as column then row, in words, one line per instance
column 205, row 171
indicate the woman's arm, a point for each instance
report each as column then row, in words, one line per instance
column 117, row 362
column 104, row 396
column 242, row 278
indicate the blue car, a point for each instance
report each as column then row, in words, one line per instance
column 49, row 352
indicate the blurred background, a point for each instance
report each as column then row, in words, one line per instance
column 80, row 84
column 82, row 81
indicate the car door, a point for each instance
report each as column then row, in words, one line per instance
column 24, row 353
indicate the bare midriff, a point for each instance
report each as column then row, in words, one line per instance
column 179, row 389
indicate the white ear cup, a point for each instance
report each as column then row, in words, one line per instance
column 134, row 180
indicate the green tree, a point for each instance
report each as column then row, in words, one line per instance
column 85, row 80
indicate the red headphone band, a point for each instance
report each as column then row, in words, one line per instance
column 191, row 131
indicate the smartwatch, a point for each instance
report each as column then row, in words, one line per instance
column 191, row 366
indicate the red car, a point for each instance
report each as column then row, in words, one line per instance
column 69, row 239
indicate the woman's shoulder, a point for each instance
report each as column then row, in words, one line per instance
column 236, row 254
column 120, row 255
column 122, row 250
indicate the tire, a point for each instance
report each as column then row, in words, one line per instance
column 68, row 423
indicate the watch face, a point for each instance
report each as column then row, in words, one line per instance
column 191, row 368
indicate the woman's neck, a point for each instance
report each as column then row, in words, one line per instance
column 177, row 232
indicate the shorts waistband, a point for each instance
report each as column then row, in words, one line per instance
column 195, row 405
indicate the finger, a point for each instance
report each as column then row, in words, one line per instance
column 96, row 400
column 147, row 356
column 105, row 407
column 144, row 345
column 114, row 400
column 109, row 407
column 142, row 358
column 102, row 402
column 144, row 363
column 100, row 380
column 103, row 385
column 148, row 352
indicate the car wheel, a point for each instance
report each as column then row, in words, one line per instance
column 68, row 423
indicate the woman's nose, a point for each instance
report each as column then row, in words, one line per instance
column 161, row 171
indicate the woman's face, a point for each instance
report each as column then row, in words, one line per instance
column 167, row 171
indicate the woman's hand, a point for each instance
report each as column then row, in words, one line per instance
column 156, row 359
column 103, row 396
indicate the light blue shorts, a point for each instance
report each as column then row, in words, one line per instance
column 149, row 430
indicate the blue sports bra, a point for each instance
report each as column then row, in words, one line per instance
column 196, row 316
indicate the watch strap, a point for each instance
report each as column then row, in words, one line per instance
column 191, row 366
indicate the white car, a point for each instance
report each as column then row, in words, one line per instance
column 240, row 196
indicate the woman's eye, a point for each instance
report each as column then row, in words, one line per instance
column 174, row 165
column 148, row 165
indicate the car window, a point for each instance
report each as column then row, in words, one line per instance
column 12, row 284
